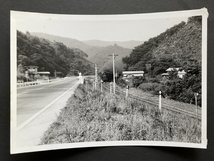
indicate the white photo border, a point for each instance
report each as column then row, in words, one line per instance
column 15, row 15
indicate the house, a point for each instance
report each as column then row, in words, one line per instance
column 32, row 73
column 180, row 73
column 172, row 69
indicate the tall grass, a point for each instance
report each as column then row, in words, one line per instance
column 95, row 116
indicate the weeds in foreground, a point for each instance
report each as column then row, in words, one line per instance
column 95, row 116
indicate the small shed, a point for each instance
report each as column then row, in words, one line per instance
column 133, row 73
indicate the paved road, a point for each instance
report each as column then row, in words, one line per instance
column 31, row 100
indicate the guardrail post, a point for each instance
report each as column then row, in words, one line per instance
column 127, row 91
column 160, row 101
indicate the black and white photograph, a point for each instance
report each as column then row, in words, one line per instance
column 108, row 80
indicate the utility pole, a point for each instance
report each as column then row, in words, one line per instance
column 113, row 56
column 95, row 83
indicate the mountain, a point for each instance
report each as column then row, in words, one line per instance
column 126, row 44
column 90, row 47
column 97, row 51
column 73, row 43
column 50, row 56
column 103, row 59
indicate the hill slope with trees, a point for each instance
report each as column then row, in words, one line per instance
column 103, row 59
column 173, row 48
column 50, row 56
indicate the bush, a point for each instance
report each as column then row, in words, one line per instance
column 121, row 82
column 148, row 86
column 152, row 79
column 137, row 81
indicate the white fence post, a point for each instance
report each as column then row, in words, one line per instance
column 160, row 101
column 101, row 86
column 196, row 103
column 127, row 91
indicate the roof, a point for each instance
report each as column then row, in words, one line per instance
column 32, row 67
column 171, row 69
column 43, row 72
column 165, row 74
column 182, row 72
column 133, row 72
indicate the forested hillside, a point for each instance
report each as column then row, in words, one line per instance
column 177, row 47
column 93, row 48
column 50, row 56
column 173, row 48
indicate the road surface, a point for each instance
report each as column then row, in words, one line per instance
column 30, row 100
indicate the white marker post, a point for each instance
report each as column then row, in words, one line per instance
column 196, row 103
column 101, row 86
column 160, row 101
column 127, row 91
column 80, row 78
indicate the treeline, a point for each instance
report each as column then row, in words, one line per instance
column 177, row 47
column 50, row 56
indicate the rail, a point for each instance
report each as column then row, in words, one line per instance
column 24, row 84
column 164, row 105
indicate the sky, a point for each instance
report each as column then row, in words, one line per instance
column 94, row 27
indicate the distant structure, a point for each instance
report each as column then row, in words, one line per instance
column 32, row 69
column 128, row 74
column 172, row 69
column 32, row 73
column 180, row 73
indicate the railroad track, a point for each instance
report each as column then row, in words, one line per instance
column 164, row 106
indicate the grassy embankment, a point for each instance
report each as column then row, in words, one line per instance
column 150, row 96
column 95, row 116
